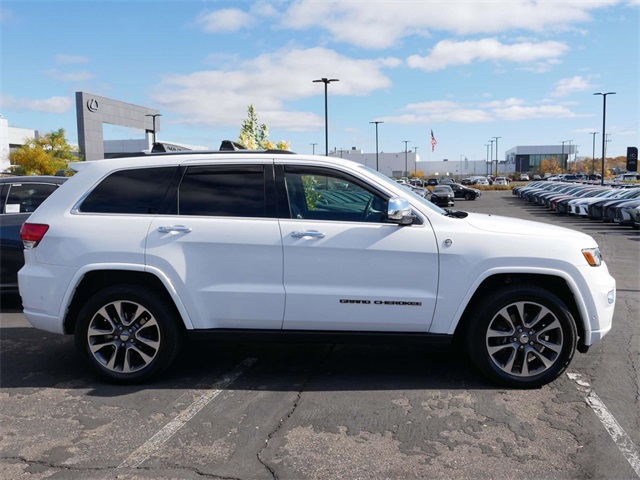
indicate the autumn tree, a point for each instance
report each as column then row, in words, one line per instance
column 43, row 155
column 550, row 165
column 254, row 135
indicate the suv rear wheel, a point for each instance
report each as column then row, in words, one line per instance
column 127, row 333
column 522, row 336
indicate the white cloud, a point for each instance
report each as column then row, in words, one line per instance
column 385, row 24
column 224, row 20
column 511, row 109
column 65, row 59
column 69, row 76
column 509, row 102
column 221, row 97
column 519, row 112
column 567, row 86
column 439, row 111
column 48, row 105
column 449, row 53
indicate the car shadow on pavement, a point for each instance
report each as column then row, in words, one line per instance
column 31, row 358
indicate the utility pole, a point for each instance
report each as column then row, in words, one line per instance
column 406, row 172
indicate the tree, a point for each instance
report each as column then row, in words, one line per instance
column 550, row 165
column 254, row 135
column 44, row 155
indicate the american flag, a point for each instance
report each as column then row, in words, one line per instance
column 434, row 142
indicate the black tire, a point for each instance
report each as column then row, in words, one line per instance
column 522, row 336
column 127, row 333
column 469, row 196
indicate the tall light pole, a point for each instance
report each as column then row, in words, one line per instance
column 326, row 82
column 569, row 157
column 487, row 161
column 415, row 159
column 491, row 158
column 377, row 122
column 604, row 136
column 405, row 157
column 497, row 154
column 562, row 154
column 593, row 155
column 313, row 148
column 153, row 116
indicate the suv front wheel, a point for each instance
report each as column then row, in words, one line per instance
column 127, row 333
column 522, row 336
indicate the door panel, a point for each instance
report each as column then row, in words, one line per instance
column 341, row 274
column 228, row 271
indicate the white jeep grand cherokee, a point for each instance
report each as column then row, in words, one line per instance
column 132, row 254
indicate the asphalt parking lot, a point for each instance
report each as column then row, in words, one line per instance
column 248, row 411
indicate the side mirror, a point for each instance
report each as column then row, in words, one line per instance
column 399, row 211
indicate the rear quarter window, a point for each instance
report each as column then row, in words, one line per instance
column 136, row 191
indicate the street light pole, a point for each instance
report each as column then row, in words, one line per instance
column 604, row 136
column 415, row 159
column 569, row 157
column 593, row 155
column 326, row 82
column 497, row 154
column 405, row 157
column 562, row 154
column 487, row 160
column 377, row 122
column 313, row 147
column 153, row 116
column 491, row 158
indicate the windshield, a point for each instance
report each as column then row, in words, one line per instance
column 413, row 195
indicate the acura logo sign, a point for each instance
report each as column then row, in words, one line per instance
column 92, row 105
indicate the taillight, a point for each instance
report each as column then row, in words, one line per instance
column 32, row 234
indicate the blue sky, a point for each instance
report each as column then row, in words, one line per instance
column 524, row 71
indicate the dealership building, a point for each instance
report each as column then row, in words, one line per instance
column 529, row 158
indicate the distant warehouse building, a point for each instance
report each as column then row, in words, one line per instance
column 529, row 158
column 403, row 164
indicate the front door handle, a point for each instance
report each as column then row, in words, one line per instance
column 174, row 229
column 308, row 234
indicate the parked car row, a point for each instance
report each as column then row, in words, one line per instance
column 609, row 203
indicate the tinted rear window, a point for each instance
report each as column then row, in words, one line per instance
column 223, row 191
column 138, row 191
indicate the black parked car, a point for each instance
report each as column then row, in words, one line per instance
column 460, row 191
column 19, row 197
column 442, row 195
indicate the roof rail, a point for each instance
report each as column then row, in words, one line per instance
column 227, row 146
column 230, row 145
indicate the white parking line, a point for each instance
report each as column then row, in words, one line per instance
column 202, row 400
column 617, row 433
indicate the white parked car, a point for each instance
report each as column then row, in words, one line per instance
column 132, row 254
column 481, row 181
column 501, row 181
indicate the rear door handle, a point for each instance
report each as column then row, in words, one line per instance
column 308, row 233
column 174, row 229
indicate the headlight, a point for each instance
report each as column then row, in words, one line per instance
column 593, row 256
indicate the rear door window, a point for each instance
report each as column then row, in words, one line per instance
column 224, row 191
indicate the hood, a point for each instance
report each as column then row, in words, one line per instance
column 515, row 226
